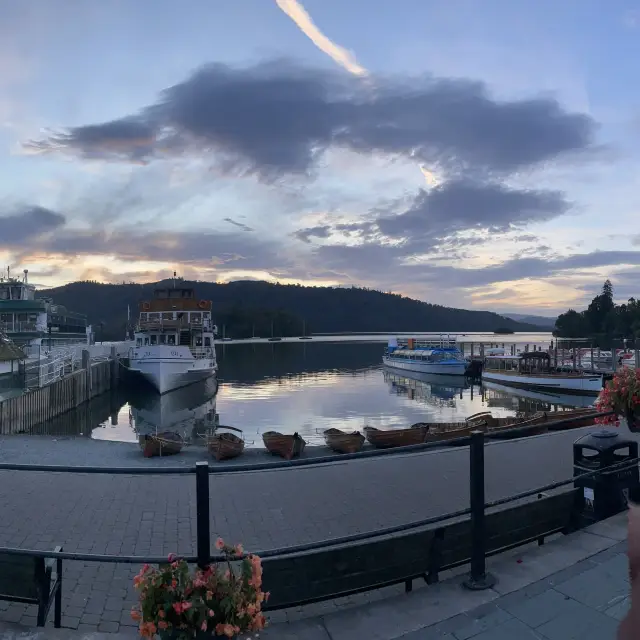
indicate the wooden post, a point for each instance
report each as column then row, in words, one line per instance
column 471, row 347
column 114, row 367
column 86, row 365
column 637, row 358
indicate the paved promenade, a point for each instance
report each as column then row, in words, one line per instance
column 156, row 514
column 574, row 587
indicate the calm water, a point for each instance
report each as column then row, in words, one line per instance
column 308, row 387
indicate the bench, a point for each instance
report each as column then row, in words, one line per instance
column 31, row 580
column 344, row 569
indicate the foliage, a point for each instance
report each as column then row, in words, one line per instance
column 246, row 306
column 621, row 395
column 224, row 600
column 602, row 319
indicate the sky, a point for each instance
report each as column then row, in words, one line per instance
column 481, row 155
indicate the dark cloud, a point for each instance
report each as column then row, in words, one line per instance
column 28, row 223
column 321, row 231
column 244, row 227
column 461, row 205
column 276, row 118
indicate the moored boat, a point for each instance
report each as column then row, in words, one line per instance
column 533, row 370
column 343, row 442
column 174, row 339
column 440, row 356
column 284, row 445
column 226, row 443
column 387, row 438
column 166, row 443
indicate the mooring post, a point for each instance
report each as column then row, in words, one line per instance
column 113, row 364
column 478, row 578
column 86, row 365
column 203, row 535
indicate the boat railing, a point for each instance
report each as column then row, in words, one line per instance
column 180, row 323
column 20, row 327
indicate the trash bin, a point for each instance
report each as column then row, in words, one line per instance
column 605, row 494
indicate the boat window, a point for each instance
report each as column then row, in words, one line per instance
column 138, row 342
column 199, row 341
column 196, row 317
column 167, row 315
column 207, row 341
column 4, row 293
column 163, row 338
column 143, row 316
column 154, row 338
column 154, row 316
column 171, row 339
column 146, row 340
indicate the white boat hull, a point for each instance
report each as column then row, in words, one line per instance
column 588, row 385
column 168, row 368
column 451, row 368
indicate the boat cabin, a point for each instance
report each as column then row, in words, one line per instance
column 425, row 355
column 175, row 317
column 524, row 363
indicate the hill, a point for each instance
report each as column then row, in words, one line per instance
column 246, row 306
column 541, row 321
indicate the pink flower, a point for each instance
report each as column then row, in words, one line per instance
column 239, row 550
column 203, row 626
column 172, row 557
column 211, row 613
column 220, row 544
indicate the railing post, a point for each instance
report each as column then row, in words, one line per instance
column 478, row 577
column 203, row 535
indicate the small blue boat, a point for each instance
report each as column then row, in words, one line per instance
column 441, row 356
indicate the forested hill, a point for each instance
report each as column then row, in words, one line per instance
column 246, row 306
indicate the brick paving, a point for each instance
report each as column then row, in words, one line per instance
column 155, row 515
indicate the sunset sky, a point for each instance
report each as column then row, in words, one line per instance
column 472, row 154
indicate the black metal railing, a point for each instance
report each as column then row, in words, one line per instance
column 478, row 577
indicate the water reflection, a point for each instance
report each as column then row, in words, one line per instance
column 498, row 395
column 309, row 387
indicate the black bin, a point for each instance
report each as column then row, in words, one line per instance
column 605, row 494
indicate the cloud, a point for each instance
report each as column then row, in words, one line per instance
column 244, row 227
column 28, row 233
column 28, row 224
column 321, row 231
column 304, row 22
column 462, row 205
column 277, row 118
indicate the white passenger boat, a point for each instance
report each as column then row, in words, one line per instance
column 533, row 370
column 441, row 356
column 174, row 339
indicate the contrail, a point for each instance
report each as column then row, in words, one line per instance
column 304, row 22
column 339, row 54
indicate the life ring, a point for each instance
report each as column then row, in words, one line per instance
column 202, row 304
column 146, row 306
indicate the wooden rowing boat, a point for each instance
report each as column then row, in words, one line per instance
column 280, row 444
column 166, row 443
column 343, row 442
column 387, row 438
column 224, row 445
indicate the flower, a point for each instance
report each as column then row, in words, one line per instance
column 223, row 599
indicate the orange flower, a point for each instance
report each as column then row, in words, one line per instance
column 162, row 624
column 229, row 630
column 220, row 544
column 135, row 615
column 209, row 595
column 161, row 613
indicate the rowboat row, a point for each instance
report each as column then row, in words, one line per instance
column 228, row 442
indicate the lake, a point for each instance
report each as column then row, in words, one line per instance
column 311, row 386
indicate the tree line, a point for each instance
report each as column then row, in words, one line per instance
column 603, row 320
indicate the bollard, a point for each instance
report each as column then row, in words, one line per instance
column 203, row 535
column 478, row 578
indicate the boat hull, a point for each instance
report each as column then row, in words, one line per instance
column 439, row 368
column 584, row 385
column 167, row 368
